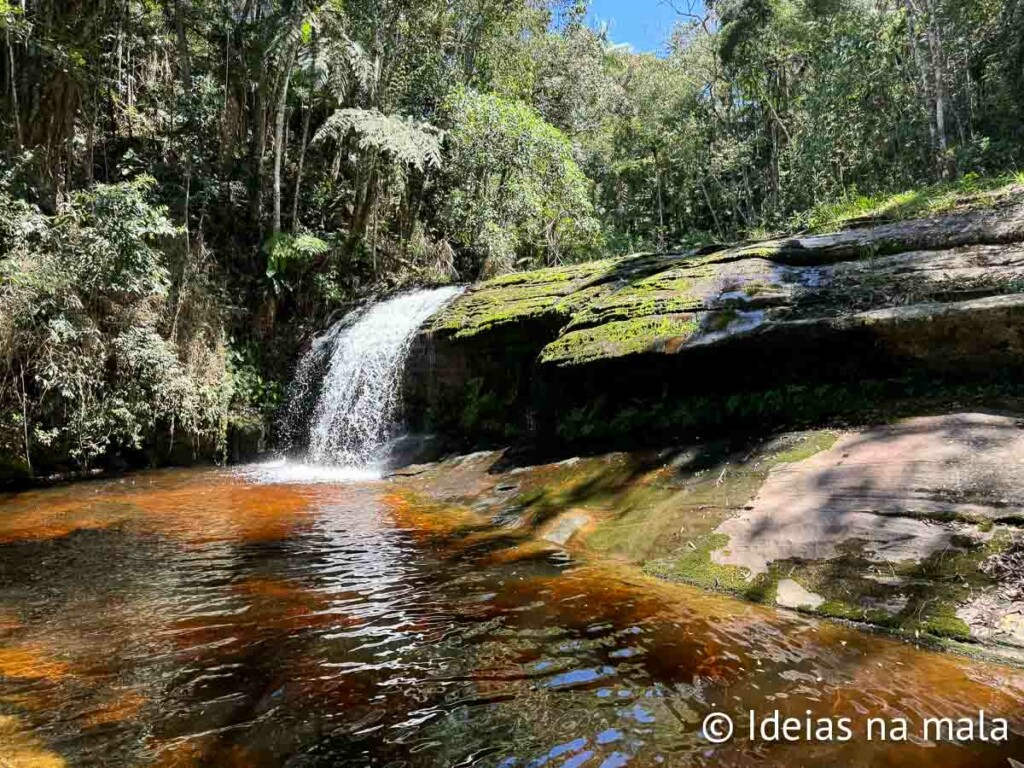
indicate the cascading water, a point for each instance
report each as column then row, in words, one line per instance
column 356, row 413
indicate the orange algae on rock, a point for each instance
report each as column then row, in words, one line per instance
column 426, row 518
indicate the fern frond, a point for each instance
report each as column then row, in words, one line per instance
column 405, row 140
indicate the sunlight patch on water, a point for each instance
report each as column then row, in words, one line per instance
column 285, row 471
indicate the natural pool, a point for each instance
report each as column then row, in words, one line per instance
column 252, row 618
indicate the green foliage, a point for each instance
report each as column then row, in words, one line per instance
column 253, row 398
column 113, row 230
column 175, row 174
column 766, row 109
column 929, row 200
column 86, row 360
column 403, row 140
column 522, row 198
column 284, row 249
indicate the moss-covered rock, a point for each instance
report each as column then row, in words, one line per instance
column 553, row 293
column 622, row 337
column 696, row 567
column 647, row 342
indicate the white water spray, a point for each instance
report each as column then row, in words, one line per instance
column 355, row 416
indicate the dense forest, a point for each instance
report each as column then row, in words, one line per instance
column 190, row 188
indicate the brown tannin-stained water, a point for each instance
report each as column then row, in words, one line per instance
column 187, row 618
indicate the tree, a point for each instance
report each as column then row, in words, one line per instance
column 522, row 196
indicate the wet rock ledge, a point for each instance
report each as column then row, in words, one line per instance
column 658, row 341
column 914, row 527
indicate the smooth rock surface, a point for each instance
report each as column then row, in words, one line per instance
column 902, row 491
column 791, row 595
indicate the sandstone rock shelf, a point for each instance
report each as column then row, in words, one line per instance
column 907, row 516
column 938, row 297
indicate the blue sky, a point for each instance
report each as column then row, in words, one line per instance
column 644, row 24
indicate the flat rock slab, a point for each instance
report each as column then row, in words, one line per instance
column 565, row 526
column 903, row 491
column 757, row 539
column 791, row 595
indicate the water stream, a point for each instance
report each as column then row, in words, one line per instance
column 198, row 618
column 297, row 618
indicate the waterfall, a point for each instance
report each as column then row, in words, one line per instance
column 358, row 406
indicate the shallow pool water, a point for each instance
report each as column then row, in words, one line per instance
column 252, row 618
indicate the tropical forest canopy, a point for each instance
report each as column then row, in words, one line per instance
column 190, row 188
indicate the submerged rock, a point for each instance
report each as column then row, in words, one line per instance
column 564, row 527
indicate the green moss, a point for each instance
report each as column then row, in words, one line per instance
column 583, row 298
column 769, row 250
column 618, row 339
column 837, row 609
column 758, row 288
column 655, row 518
column 930, row 591
column 479, row 311
column 685, row 276
column 807, row 446
column 586, row 271
column 945, row 623
column 590, row 484
column 556, row 294
column 694, row 566
column 629, row 305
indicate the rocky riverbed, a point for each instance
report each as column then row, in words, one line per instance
column 913, row 526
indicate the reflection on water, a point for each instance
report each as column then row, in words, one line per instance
column 202, row 618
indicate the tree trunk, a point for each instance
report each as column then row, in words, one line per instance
column 282, row 103
column 24, row 420
column 943, row 165
column 365, row 199
column 14, row 92
column 298, row 171
column 184, row 62
column 256, row 148
column 661, row 203
column 920, row 25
